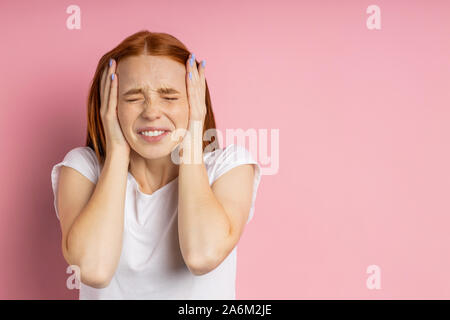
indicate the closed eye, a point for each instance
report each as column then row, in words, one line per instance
column 164, row 98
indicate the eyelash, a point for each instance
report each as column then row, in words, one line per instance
column 164, row 98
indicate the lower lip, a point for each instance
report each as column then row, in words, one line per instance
column 155, row 138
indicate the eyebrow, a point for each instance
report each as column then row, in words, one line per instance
column 161, row 90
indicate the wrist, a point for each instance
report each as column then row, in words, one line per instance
column 192, row 151
column 118, row 156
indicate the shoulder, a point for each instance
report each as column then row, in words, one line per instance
column 83, row 159
column 222, row 160
column 229, row 154
column 82, row 153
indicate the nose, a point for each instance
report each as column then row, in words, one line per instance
column 151, row 110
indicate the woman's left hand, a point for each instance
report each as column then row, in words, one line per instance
column 196, row 90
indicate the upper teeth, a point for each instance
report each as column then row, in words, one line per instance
column 152, row 133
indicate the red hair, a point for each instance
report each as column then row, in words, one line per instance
column 140, row 43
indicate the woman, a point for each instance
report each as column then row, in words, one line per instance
column 137, row 223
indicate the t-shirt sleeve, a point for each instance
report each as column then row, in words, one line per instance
column 230, row 157
column 82, row 159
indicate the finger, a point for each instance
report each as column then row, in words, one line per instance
column 102, row 81
column 102, row 90
column 108, row 86
column 188, row 69
column 112, row 104
column 192, row 67
column 201, row 71
column 189, row 84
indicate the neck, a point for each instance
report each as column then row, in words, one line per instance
column 152, row 174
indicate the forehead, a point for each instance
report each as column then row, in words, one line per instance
column 151, row 72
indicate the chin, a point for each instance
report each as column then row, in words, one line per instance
column 154, row 151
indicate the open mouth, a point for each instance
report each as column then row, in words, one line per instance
column 153, row 136
column 154, row 133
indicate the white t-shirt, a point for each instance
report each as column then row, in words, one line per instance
column 151, row 265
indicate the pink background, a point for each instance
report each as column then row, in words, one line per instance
column 363, row 116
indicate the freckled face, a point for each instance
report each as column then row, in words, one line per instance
column 159, row 99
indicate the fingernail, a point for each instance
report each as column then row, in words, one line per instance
column 112, row 76
column 190, row 75
column 191, row 62
column 203, row 63
column 110, row 62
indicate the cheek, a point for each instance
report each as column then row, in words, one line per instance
column 181, row 113
column 125, row 117
column 121, row 114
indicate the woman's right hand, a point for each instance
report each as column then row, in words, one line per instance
column 115, row 140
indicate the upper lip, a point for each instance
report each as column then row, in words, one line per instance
column 153, row 129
